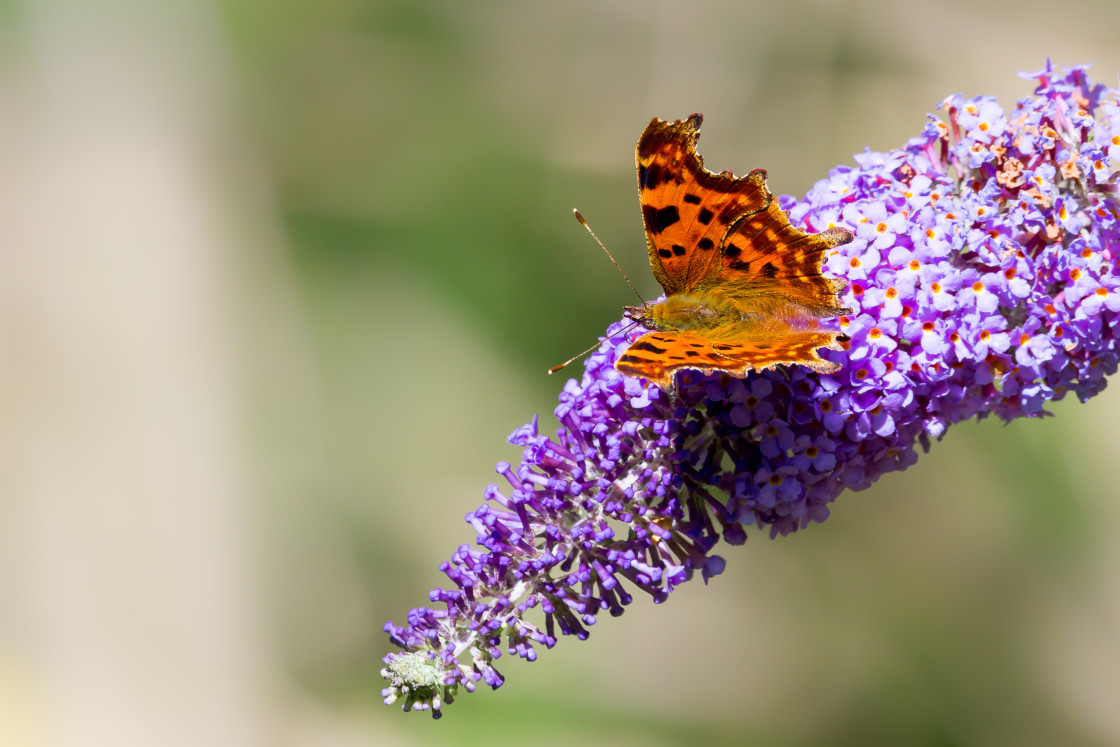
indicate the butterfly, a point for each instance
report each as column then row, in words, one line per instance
column 743, row 287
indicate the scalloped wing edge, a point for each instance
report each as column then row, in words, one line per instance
column 630, row 365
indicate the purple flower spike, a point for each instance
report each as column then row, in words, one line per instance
column 983, row 281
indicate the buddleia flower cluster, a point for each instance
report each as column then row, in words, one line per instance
column 983, row 279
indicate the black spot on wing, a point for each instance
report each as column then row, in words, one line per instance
column 730, row 214
column 649, row 347
column 678, row 250
column 658, row 220
column 769, row 270
column 740, row 265
column 705, row 216
column 705, row 244
column 649, row 176
column 664, row 253
column 692, row 354
column 731, row 251
column 692, row 199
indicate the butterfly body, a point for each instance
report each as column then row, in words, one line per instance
column 743, row 287
column 717, row 315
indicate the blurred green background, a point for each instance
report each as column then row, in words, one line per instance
column 281, row 276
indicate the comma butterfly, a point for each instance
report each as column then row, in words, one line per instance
column 744, row 289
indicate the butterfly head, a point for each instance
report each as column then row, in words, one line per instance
column 643, row 315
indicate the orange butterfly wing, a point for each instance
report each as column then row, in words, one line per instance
column 686, row 208
column 726, row 237
column 657, row 356
column 763, row 251
column 704, row 228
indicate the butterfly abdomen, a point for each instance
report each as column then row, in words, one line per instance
column 821, row 301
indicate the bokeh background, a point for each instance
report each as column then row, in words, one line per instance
column 277, row 278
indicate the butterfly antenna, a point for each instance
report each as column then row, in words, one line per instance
column 600, row 243
column 554, row 369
